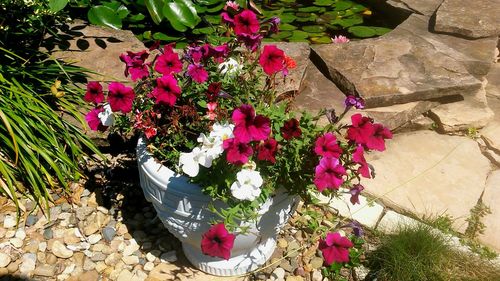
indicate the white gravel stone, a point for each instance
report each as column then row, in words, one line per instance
column 278, row 273
column 61, row 251
column 20, row 233
column 149, row 266
column 9, row 221
column 10, row 233
column 42, row 246
column 78, row 233
column 4, row 260
column 150, row 257
column 130, row 249
column 16, row 242
column 88, row 265
column 94, row 238
column 170, row 256
column 130, row 260
column 28, row 263
column 69, row 269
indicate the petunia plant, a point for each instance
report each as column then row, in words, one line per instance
column 211, row 112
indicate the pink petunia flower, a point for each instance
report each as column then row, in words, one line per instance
column 135, row 64
column 335, row 248
column 246, row 22
column 329, row 174
column 251, row 41
column 150, row 132
column 120, row 97
column 197, row 73
column 231, row 4
column 355, row 191
column 267, row 150
column 249, row 127
column 217, row 242
column 340, row 39
column 359, row 158
column 211, row 114
column 168, row 62
column 272, row 59
column 166, row 91
column 377, row 140
column 360, row 130
column 291, row 129
column 327, row 146
column 94, row 92
column 94, row 121
column 237, row 152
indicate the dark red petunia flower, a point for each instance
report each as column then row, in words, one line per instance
column 120, row 97
column 335, row 248
column 135, row 64
column 94, row 121
column 168, row 63
column 246, row 22
column 249, row 127
column 267, row 150
column 217, row 242
column 166, row 91
column 272, row 59
column 237, row 152
column 329, row 174
column 213, row 91
column 94, row 92
column 359, row 158
column 291, row 129
column 327, row 146
column 251, row 41
column 377, row 140
column 361, row 129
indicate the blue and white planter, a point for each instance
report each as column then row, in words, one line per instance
column 183, row 209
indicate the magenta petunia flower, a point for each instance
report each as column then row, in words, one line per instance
column 267, row 150
column 272, row 59
column 251, row 41
column 291, row 129
column 217, row 242
column 355, row 191
column 327, row 146
column 357, row 102
column 329, row 174
column 197, row 73
column 359, row 158
column 135, row 64
column 168, row 62
column 377, row 140
column 221, row 51
column 360, row 130
column 94, row 92
column 166, row 91
column 249, row 127
column 94, row 121
column 227, row 19
column 335, row 248
column 246, row 22
column 237, row 152
column 120, row 97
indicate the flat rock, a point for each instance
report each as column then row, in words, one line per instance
column 429, row 174
column 491, row 198
column 491, row 133
column 366, row 213
column 472, row 112
column 474, row 19
column 4, row 260
column 60, row 250
column 424, row 7
column 397, row 115
column 493, row 78
column 401, row 67
column 98, row 49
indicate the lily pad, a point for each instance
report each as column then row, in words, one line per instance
column 348, row 22
column 324, row 3
column 311, row 9
column 381, row 30
column 343, row 5
column 287, row 18
column 299, row 34
column 358, row 8
column 282, row 35
column 306, row 19
column 362, row 31
column 321, row 40
column 313, row 28
column 287, row 27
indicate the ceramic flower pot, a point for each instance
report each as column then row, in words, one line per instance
column 182, row 208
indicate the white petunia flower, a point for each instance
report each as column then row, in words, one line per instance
column 190, row 162
column 247, row 186
column 211, row 146
column 107, row 118
column 222, row 131
column 230, row 67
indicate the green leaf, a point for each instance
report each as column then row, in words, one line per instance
column 299, row 34
column 136, row 18
column 311, row 9
column 325, row 3
column 217, row 8
column 204, row 30
column 181, row 13
column 348, row 22
column 57, row 5
column 287, row 18
column 164, row 37
column 342, row 5
column 362, row 31
column 282, row 35
column 122, row 12
column 321, row 40
column 287, row 27
column 104, row 16
column 381, row 30
column 155, row 9
column 313, row 28
column 213, row 19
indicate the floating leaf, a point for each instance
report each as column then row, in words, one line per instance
column 321, row 40
column 313, row 28
column 358, row 8
column 308, row 19
column 104, row 16
column 299, row 34
column 325, row 3
column 311, row 9
column 342, row 5
column 381, row 30
column 362, row 31
column 286, row 26
column 282, row 35
column 57, row 5
column 287, row 18
column 348, row 22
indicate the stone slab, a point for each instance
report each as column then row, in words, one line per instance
column 493, row 78
column 427, row 174
column 424, row 7
column 392, row 221
column 366, row 213
column 471, row 113
column 401, row 67
column 491, row 198
column 474, row 19
column 491, row 133
column 98, row 49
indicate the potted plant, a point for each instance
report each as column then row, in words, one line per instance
column 222, row 161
